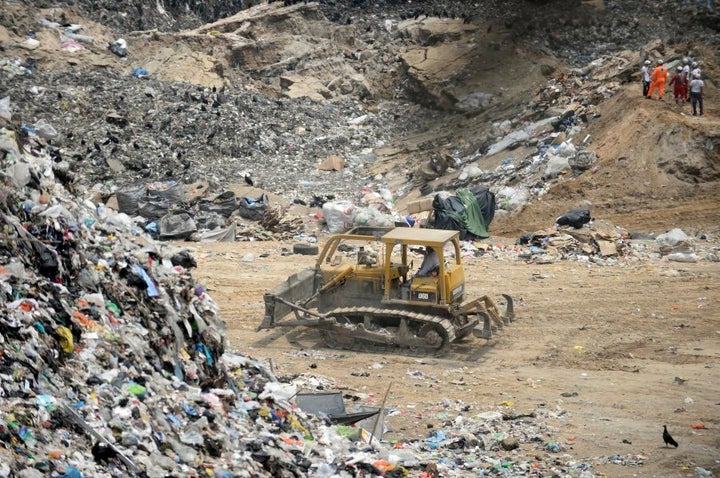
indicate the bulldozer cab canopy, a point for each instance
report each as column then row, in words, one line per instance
column 436, row 238
column 390, row 238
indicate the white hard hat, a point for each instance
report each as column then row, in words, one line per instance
column 660, row 62
column 679, row 68
column 647, row 62
column 694, row 63
column 686, row 61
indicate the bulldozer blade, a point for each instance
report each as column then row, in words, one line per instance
column 287, row 297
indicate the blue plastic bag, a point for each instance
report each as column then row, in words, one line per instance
column 139, row 72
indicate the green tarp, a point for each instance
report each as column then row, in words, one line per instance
column 473, row 219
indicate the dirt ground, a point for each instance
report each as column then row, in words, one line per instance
column 616, row 336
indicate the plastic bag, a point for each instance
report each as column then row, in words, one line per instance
column 683, row 257
column 45, row 130
column 369, row 216
column 576, row 218
column 219, row 235
column 119, row 47
column 128, row 201
column 674, row 240
column 449, row 214
column 209, row 220
column 183, row 259
column 5, row 112
column 555, row 166
column 486, row 201
column 253, row 209
column 177, row 225
column 153, row 209
column 224, row 204
column 169, row 190
column 339, row 215
column 47, row 264
column 139, row 72
column 9, row 145
column 19, row 173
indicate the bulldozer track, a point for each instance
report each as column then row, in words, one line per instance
column 442, row 326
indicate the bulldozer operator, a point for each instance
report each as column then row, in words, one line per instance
column 430, row 264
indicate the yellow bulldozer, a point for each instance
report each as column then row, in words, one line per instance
column 362, row 294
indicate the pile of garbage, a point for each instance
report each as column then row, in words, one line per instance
column 589, row 33
column 600, row 241
column 174, row 16
column 576, row 236
column 168, row 210
column 545, row 144
column 121, row 131
column 113, row 358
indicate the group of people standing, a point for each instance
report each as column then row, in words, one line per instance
column 687, row 83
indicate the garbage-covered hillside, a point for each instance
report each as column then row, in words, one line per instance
column 126, row 125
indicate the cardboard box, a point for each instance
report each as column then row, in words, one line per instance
column 420, row 205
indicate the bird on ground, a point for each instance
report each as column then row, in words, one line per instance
column 668, row 439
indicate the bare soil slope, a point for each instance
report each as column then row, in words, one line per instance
column 658, row 167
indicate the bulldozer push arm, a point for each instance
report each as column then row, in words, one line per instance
column 294, row 295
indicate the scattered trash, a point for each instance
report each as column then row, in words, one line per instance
column 139, row 72
column 93, row 306
column 703, row 473
column 118, row 47
column 576, row 218
column 330, row 405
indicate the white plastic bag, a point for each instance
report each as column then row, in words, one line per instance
column 45, row 130
column 5, row 108
column 674, row 240
column 339, row 215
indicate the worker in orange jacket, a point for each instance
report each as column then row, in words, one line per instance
column 659, row 77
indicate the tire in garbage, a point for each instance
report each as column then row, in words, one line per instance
column 426, row 189
column 305, row 249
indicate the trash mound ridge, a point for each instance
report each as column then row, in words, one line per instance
column 113, row 358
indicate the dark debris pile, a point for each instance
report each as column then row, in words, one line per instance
column 119, row 130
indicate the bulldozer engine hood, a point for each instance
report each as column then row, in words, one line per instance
column 424, row 290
